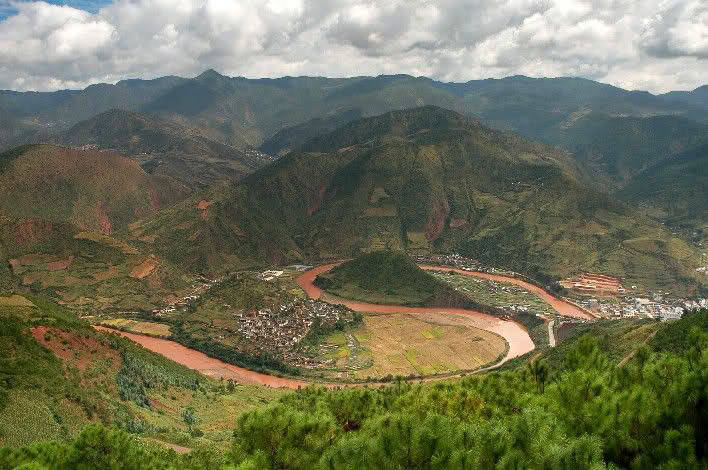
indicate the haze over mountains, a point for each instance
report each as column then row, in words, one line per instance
column 355, row 176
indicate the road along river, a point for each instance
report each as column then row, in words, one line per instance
column 515, row 335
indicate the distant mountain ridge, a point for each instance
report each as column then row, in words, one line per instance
column 422, row 180
column 240, row 111
column 165, row 147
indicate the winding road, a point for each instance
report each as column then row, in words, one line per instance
column 515, row 335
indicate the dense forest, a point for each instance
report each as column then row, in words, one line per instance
column 649, row 413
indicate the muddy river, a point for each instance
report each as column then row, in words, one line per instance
column 516, row 336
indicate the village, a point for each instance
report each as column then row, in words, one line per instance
column 281, row 330
column 598, row 293
column 276, row 330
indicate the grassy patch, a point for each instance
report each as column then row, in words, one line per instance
column 400, row 344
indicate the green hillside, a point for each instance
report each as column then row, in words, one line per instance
column 91, row 190
column 165, row 147
column 617, row 148
column 61, row 213
column 425, row 180
column 58, row 375
column 387, row 277
column 587, row 414
column 242, row 112
column 677, row 187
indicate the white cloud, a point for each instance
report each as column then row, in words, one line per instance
column 653, row 44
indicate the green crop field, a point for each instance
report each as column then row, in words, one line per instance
column 495, row 294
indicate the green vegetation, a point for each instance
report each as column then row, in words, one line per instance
column 168, row 149
column 69, row 375
column 495, row 294
column 680, row 337
column 676, row 189
column 588, row 414
column 383, row 277
column 427, row 180
column 615, row 149
column 618, row 339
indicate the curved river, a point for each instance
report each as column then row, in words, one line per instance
column 515, row 335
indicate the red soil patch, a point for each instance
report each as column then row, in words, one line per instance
column 436, row 222
column 144, row 269
column 104, row 223
column 203, row 205
column 73, row 349
column 593, row 283
column 32, row 231
column 317, row 200
column 203, row 208
column 61, row 264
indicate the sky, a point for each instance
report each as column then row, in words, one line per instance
column 654, row 45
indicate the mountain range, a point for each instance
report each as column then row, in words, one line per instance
column 545, row 176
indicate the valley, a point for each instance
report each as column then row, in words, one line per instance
column 300, row 272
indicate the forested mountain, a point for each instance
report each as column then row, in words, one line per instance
column 424, row 180
column 614, row 149
column 239, row 111
column 699, row 96
column 165, row 147
column 678, row 186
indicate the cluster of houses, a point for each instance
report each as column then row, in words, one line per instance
column 655, row 307
column 466, row 264
column 280, row 329
column 193, row 294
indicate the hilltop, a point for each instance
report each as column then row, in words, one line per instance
column 426, row 180
column 387, row 277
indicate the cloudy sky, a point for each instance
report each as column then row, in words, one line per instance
column 655, row 45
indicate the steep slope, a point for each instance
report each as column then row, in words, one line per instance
column 57, row 374
column 425, row 180
column 60, row 210
column 677, row 186
column 165, row 147
column 91, row 190
column 291, row 138
column 616, row 148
